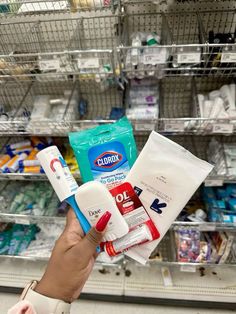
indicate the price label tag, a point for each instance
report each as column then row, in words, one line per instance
column 189, row 57
column 207, row 227
column 214, row 182
column 15, row 177
column 88, row 63
column 22, row 221
column 188, row 268
column 49, row 65
column 174, row 126
column 223, row 128
column 145, row 126
column 229, row 57
column 157, row 57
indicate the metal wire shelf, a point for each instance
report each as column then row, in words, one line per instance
column 186, row 47
column 19, row 8
column 82, row 45
column 97, row 46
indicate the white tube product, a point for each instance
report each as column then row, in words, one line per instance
column 61, row 180
column 227, row 97
column 165, row 176
column 214, row 94
column 94, row 200
column 135, row 237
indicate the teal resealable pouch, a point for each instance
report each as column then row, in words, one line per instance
column 105, row 153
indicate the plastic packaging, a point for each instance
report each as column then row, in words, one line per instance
column 165, row 176
column 57, row 172
column 13, row 164
column 41, row 107
column 141, row 227
column 105, row 153
column 94, row 200
column 4, row 159
column 227, row 97
column 61, row 179
column 18, row 145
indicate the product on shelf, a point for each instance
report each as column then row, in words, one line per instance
column 111, row 156
column 22, row 157
column 192, row 246
column 48, row 109
column 71, row 160
column 223, row 157
column 147, row 56
column 143, row 100
column 28, row 199
column 221, row 203
column 29, row 240
column 218, row 104
column 216, row 52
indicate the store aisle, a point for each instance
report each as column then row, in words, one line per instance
column 95, row 307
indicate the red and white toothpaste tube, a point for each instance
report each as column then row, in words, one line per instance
column 141, row 227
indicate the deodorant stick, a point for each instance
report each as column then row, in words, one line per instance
column 94, row 199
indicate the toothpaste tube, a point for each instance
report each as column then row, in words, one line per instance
column 31, row 169
column 30, row 160
column 13, row 164
column 141, row 227
column 4, row 159
column 18, row 145
column 37, row 143
column 26, row 150
column 28, row 163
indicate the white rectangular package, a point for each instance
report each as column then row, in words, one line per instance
column 165, row 176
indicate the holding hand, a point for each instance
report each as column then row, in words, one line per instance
column 72, row 259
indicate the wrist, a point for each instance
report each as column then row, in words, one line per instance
column 52, row 290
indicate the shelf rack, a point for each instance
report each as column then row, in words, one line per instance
column 178, row 107
column 183, row 50
column 17, row 8
column 100, row 46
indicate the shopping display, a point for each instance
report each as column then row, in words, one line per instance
column 127, row 107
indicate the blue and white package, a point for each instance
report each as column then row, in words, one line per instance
column 105, row 153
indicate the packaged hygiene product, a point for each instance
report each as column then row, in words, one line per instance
column 105, row 153
column 61, row 179
column 141, row 227
column 165, row 176
column 94, row 199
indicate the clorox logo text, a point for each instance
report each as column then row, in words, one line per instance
column 108, row 159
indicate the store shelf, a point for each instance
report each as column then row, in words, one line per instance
column 25, row 8
column 30, row 219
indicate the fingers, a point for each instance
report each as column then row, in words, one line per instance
column 89, row 243
column 72, row 223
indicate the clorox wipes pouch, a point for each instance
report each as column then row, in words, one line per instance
column 105, row 153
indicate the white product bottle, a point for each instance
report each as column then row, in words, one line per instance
column 94, row 200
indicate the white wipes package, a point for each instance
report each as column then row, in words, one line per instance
column 165, row 176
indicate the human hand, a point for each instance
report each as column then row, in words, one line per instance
column 72, row 259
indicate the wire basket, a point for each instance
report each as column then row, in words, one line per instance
column 183, row 46
column 73, row 45
column 30, row 7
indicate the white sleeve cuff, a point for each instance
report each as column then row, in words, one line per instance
column 45, row 305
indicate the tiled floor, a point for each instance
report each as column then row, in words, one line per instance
column 95, row 307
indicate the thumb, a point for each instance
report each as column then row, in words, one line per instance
column 93, row 238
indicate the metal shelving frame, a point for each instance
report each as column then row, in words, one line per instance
column 80, row 45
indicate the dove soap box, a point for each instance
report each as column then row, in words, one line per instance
column 165, row 176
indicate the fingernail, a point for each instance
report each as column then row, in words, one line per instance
column 103, row 221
